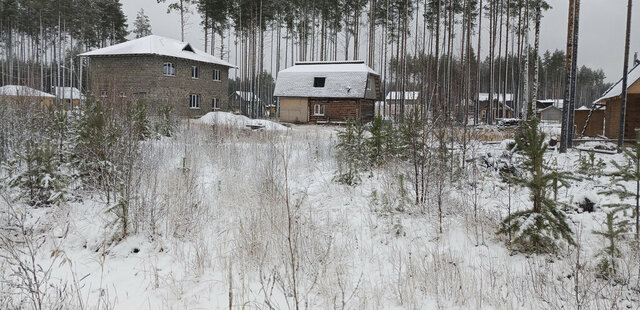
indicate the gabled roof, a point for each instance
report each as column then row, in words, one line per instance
column 408, row 95
column 485, row 97
column 68, row 93
column 23, row 91
column 343, row 79
column 616, row 90
column 157, row 45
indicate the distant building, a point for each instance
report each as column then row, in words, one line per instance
column 397, row 101
column 550, row 114
column 162, row 71
column 16, row 94
column 499, row 104
column 69, row 96
column 612, row 99
column 247, row 101
column 331, row 91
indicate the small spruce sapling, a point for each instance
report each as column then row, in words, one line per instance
column 613, row 233
column 40, row 180
column 537, row 229
column 628, row 172
column 352, row 154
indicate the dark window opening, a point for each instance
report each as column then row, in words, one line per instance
column 318, row 81
column 188, row 48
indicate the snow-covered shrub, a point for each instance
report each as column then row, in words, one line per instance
column 166, row 123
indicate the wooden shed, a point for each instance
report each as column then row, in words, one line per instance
column 596, row 121
column 550, row 114
column 327, row 92
column 612, row 99
column 18, row 94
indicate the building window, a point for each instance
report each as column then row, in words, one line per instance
column 169, row 69
column 369, row 84
column 104, row 94
column 318, row 81
column 216, row 75
column 194, row 101
column 195, row 72
column 214, row 104
column 318, row 109
column 123, row 95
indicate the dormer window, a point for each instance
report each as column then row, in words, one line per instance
column 195, row 73
column 319, row 81
column 188, row 48
column 169, row 69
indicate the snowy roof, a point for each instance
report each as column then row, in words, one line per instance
column 408, row 95
column 485, row 97
column 558, row 103
column 17, row 90
column 343, row 79
column 247, row 95
column 68, row 93
column 616, row 90
column 157, row 45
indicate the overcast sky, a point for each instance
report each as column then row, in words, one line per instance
column 602, row 26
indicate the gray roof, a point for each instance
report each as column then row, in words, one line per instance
column 344, row 79
column 157, row 45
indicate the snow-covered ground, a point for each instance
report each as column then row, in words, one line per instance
column 221, row 214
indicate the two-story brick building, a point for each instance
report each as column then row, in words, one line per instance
column 161, row 71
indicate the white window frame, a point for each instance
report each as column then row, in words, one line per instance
column 194, row 101
column 123, row 94
column 195, row 72
column 104, row 94
column 369, row 84
column 169, row 69
column 216, row 75
column 215, row 104
column 318, row 109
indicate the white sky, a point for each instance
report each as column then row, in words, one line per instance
column 602, row 26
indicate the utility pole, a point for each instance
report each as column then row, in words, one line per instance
column 566, row 131
column 623, row 110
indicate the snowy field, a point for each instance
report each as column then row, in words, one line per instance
column 229, row 217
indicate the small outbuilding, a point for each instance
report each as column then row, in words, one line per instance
column 70, row 96
column 500, row 103
column 327, row 92
column 612, row 99
column 18, row 94
column 550, row 114
column 595, row 124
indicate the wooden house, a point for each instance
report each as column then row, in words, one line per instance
column 69, row 96
column 612, row 100
column 163, row 72
column 327, row 92
column 596, row 121
column 16, row 94
column 500, row 103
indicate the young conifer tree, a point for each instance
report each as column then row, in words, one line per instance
column 537, row 229
column 615, row 229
